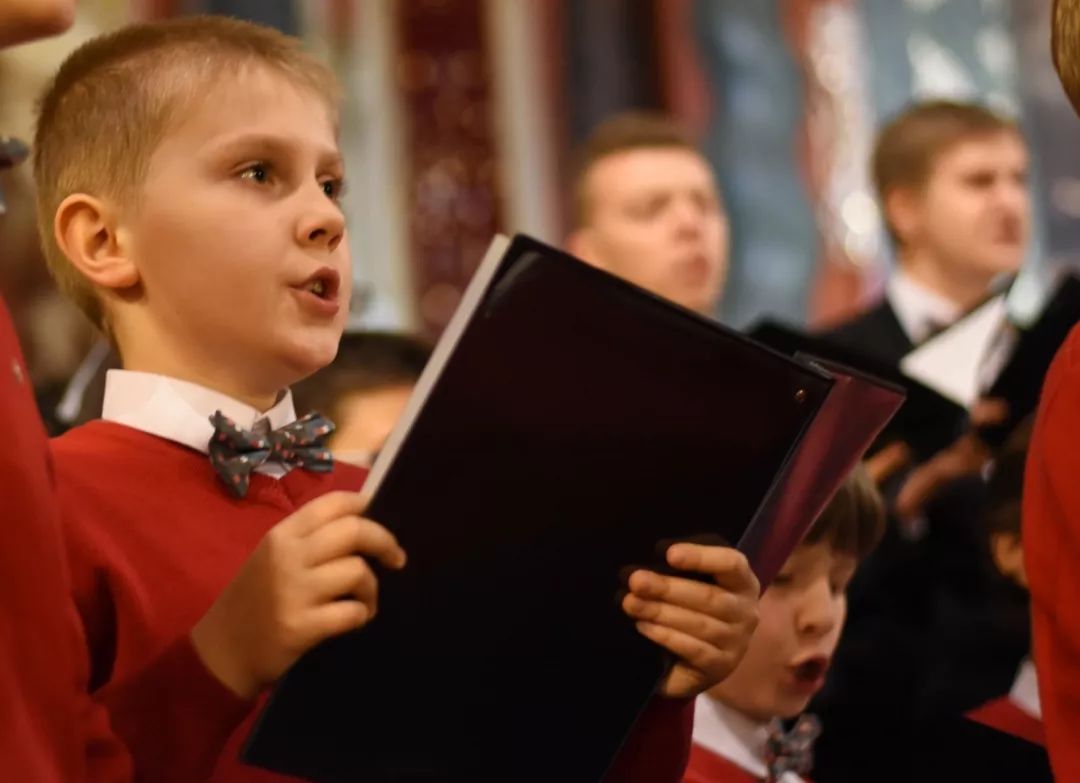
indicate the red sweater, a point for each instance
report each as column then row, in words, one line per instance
column 1052, row 554
column 49, row 729
column 708, row 767
column 153, row 539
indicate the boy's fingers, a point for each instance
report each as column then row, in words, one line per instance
column 335, row 618
column 695, row 624
column 714, row 663
column 684, row 682
column 703, row 597
column 346, row 576
column 322, row 510
column 353, row 535
column 728, row 567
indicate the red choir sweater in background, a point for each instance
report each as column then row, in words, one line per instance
column 153, row 538
column 50, row 730
column 1007, row 716
column 1052, row 554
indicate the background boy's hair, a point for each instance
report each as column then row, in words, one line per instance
column 115, row 98
column 854, row 520
column 622, row 133
column 365, row 361
column 909, row 145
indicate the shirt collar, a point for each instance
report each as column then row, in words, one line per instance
column 180, row 411
column 1025, row 689
column 728, row 733
column 918, row 309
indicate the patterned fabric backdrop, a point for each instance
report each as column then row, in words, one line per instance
column 793, row 90
column 758, row 109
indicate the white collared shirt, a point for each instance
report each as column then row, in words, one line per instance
column 739, row 739
column 918, row 309
column 180, row 411
column 921, row 312
column 1025, row 690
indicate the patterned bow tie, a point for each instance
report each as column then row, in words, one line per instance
column 792, row 751
column 236, row 452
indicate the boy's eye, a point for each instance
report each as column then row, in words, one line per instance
column 257, row 172
column 839, row 583
column 783, row 580
column 334, row 189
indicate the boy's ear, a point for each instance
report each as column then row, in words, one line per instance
column 902, row 211
column 87, row 232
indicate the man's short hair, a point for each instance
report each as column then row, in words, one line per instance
column 116, row 97
column 910, row 144
column 623, row 133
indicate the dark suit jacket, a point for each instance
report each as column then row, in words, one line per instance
column 925, row 639
column 876, row 333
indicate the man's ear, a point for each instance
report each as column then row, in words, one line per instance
column 87, row 232
column 582, row 243
column 902, row 212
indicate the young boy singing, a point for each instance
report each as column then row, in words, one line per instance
column 737, row 736
column 189, row 179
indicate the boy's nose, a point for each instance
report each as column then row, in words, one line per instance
column 324, row 237
column 322, row 226
column 819, row 610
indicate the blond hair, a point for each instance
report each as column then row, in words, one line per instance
column 624, row 132
column 115, row 98
column 910, row 144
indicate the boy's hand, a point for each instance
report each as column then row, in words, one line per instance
column 305, row 582
column 708, row 626
column 965, row 457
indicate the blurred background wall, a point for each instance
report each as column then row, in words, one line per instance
column 463, row 116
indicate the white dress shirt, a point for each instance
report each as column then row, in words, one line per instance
column 992, row 338
column 1025, row 690
column 180, row 411
column 739, row 739
column 918, row 309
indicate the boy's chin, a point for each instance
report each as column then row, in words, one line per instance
column 790, row 705
column 306, row 360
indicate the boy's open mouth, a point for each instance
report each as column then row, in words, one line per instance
column 323, row 284
column 811, row 670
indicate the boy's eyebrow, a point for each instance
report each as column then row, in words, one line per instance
column 271, row 143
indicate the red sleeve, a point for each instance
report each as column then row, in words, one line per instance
column 658, row 746
column 1051, row 539
column 174, row 710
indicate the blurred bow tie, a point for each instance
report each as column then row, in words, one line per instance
column 236, row 452
column 792, row 751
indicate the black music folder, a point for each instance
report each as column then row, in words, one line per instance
column 567, row 426
column 927, row 422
